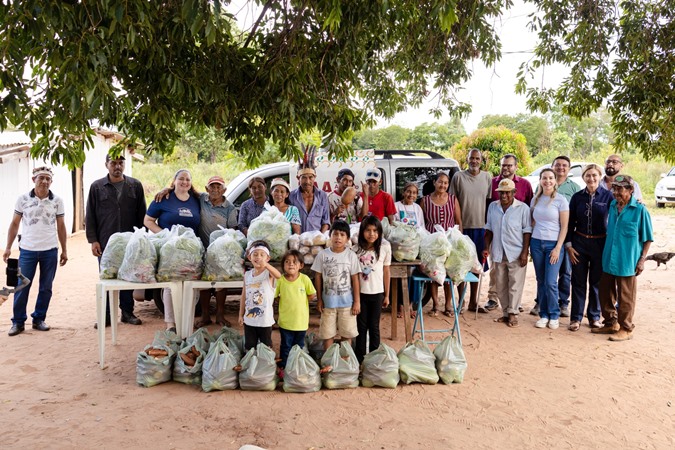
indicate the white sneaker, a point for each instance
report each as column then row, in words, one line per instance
column 553, row 324
column 541, row 323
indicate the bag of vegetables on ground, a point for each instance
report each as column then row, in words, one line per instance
column 340, row 367
column 168, row 338
column 380, row 368
column 233, row 339
column 224, row 260
column 181, row 257
column 462, row 257
column 140, row 259
column 450, row 360
column 200, row 338
column 314, row 346
column 113, row 255
column 153, row 365
column 404, row 240
column 417, row 364
column 272, row 227
column 218, row 372
column 301, row 373
column 259, row 369
column 434, row 250
column 188, row 366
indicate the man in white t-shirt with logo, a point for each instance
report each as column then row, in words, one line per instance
column 40, row 214
column 356, row 210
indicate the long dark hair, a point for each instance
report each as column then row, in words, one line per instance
column 366, row 222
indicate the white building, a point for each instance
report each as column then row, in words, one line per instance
column 16, row 167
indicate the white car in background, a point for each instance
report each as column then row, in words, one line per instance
column 575, row 174
column 664, row 192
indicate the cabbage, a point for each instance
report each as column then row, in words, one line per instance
column 113, row 255
column 181, row 256
column 434, row 250
column 462, row 257
column 223, row 259
column 140, row 259
column 272, row 227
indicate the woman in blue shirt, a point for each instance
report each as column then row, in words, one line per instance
column 584, row 243
column 181, row 208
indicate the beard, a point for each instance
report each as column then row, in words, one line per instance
column 611, row 171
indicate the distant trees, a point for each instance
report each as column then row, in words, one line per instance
column 427, row 136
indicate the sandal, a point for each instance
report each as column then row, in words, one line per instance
column 502, row 320
column 413, row 314
column 480, row 310
column 449, row 313
column 224, row 323
column 433, row 312
column 202, row 323
column 513, row 321
column 399, row 315
column 574, row 326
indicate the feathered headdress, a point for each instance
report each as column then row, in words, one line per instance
column 307, row 164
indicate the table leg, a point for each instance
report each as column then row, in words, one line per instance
column 177, row 300
column 457, row 307
column 394, row 308
column 114, row 308
column 100, row 320
column 406, row 309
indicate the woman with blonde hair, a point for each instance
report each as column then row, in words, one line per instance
column 550, row 214
column 585, row 243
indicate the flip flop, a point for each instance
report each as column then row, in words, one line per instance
column 502, row 320
column 433, row 313
column 449, row 313
column 513, row 323
column 574, row 326
column 399, row 315
column 480, row 310
column 224, row 323
column 202, row 323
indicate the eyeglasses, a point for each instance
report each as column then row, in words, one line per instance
column 612, row 162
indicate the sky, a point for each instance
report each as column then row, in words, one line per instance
column 491, row 90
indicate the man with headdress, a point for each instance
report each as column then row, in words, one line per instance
column 311, row 201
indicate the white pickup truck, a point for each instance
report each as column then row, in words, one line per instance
column 397, row 166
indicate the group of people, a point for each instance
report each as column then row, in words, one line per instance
column 585, row 243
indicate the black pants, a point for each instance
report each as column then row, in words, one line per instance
column 253, row 335
column 126, row 300
column 368, row 323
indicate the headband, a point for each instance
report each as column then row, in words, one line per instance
column 43, row 171
column 259, row 247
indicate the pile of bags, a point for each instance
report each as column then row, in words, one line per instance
column 309, row 244
column 447, row 254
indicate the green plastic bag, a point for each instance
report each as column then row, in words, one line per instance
column 258, row 369
column 416, row 363
column 301, row 373
column 380, row 368
column 344, row 373
column 200, row 339
column 168, row 338
column 218, row 372
column 151, row 370
column 184, row 373
column 450, row 360
column 113, row 255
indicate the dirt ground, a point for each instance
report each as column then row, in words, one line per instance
column 524, row 388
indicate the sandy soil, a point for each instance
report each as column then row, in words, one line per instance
column 525, row 387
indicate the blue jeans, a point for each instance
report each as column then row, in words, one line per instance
column 28, row 263
column 288, row 340
column 586, row 272
column 547, row 278
column 564, row 279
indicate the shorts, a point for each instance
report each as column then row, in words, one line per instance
column 477, row 235
column 336, row 321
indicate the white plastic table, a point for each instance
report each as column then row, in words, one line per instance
column 190, row 292
column 114, row 287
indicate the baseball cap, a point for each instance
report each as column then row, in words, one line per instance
column 343, row 172
column 108, row 157
column 216, row 179
column 280, row 182
column 623, row 181
column 506, row 185
column 373, row 174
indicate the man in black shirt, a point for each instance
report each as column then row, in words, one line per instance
column 116, row 203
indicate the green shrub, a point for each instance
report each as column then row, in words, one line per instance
column 494, row 142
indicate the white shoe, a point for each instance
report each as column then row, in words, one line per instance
column 541, row 323
column 553, row 324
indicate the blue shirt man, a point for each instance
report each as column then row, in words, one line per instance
column 312, row 203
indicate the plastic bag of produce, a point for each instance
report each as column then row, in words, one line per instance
column 201, row 339
column 234, row 340
column 218, row 372
column 188, row 366
column 380, row 368
column 341, row 368
column 224, row 260
column 235, row 234
column 153, row 365
column 258, row 369
column 272, row 227
column 168, row 338
column 314, row 346
column 417, row 364
column 294, row 242
column 180, row 258
column 462, row 257
column 450, row 360
column 434, row 250
column 404, row 240
column 113, row 255
column 158, row 239
column 312, row 238
column 140, row 259
column 301, row 373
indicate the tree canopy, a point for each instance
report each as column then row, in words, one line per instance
column 145, row 67
column 493, row 142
